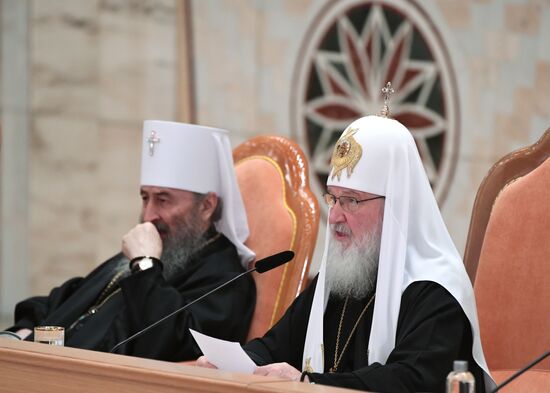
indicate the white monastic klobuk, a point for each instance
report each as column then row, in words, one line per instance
column 415, row 243
column 198, row 159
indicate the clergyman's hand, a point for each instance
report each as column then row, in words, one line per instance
column 281, row 370
column 203, row 362
column 142, row 240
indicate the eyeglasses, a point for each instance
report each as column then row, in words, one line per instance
column 347, row 203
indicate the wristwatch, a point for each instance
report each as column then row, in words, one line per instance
column 140, row 264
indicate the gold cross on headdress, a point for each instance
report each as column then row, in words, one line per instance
column 152, row 140
column 387, row 91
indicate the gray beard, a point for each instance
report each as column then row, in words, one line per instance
column 176, row 254
column 180, row 247
column 352, row 272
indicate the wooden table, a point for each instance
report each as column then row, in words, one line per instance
column 32, row 367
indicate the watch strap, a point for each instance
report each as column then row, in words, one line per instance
column 134, row 262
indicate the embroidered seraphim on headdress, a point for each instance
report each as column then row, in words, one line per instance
column 346, row 154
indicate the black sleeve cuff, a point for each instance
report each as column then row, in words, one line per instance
column 256, row 358
column 8, row 334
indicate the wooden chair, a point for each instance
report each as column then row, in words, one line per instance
column 283, row 214
column 507, row 257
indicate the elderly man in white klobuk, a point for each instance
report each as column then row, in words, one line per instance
column 392, row 306
column 190, row 239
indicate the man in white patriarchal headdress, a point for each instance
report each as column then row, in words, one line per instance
column 392, row 306
column 190, row 240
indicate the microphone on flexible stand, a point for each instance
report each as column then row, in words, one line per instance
column 518, row 373
column 262, row 266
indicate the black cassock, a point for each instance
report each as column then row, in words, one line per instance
column 432, row 332
column 145, row 297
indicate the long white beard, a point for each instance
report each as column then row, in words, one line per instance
column 352, row 271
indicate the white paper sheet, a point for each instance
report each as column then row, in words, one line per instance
column 225, row 355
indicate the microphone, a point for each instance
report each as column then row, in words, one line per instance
column 518, row 373
column 262, row 266
column 273, row 261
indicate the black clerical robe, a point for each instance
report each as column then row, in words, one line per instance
column 145, row 297
column 432, row 332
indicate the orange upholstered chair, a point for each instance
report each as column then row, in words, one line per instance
column 283, row 214
column 508, row 259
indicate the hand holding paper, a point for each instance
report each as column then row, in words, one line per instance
column 225, row 355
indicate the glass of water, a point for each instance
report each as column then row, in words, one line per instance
column 51, row 335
